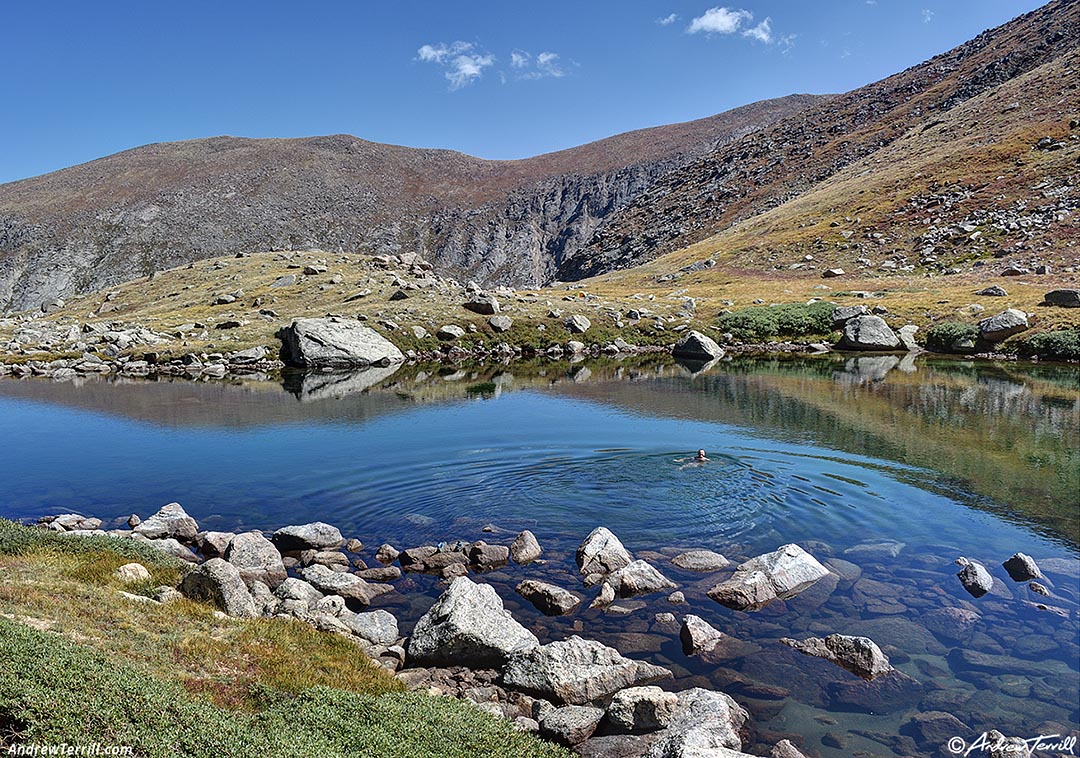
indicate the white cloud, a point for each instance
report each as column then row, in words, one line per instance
column 462, row 64
column 545, row 65
column 667, row 20
column 720, row 20
column 927, row 15
column 762, row 32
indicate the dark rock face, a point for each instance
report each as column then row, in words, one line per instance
column 1063, row 298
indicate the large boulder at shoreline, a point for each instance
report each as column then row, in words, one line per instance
column 219, row 581
column 844, row 313
column 859, row 655
column 348, row 586
column 1063, row 298
column 256, row 558
column 377, row 627
column 638, row 578
column 781, row 574
column 577, row 671
column 468, row 626
column 314, row 536
column 700, row 560
column 705, row 723
column 1002, row 326
column 549, row 599
column 698, row 347
column 602, row 553
column 577, row 324
column 335, row 343
column 868, row 333
column 170, row 521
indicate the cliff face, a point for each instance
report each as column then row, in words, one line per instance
column 765, row 169
column 503, row 222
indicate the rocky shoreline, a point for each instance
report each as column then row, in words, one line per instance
column 575, row 691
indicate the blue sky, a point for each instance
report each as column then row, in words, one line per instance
column 79, row 80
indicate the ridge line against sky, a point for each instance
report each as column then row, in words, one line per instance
column 490, row 79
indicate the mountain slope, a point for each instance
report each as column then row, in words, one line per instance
column 162, row 205
column 764, row 170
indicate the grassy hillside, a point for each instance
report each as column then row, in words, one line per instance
column 83, row 664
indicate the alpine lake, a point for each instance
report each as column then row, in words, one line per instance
column 886, row 470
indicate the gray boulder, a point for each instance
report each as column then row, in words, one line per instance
column 700, row 560
column 698, row 635
column 335, row 343
column 577, row 671
column 377, row 627
column 220, row 582
column 1063, row 298
column 868, row 333
column 697, row 346
column 214, row 544
column 842, row 314
column 525, row 549
column 297, row 589
column 468, row 626
column 974, row 576
column 906, row 335
column 313, row 536
column 577, row 324
column 859, row 655
column 781, row 574
column 549, row 599
column 130, row 573
column 993, row 291
column 1002, row 326
column 642, row 709
column 638, row 578
column 601, row 553
column 705, row 724
column 1022, row 568
column 485, row 556
column 784, row 749
column 501, row 323
column 571, row 724
column 485, row 305
column 348, row 586
column 450, row 332
column 256, row 558
column 170, row 521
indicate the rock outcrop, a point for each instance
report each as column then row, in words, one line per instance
column 335, row 343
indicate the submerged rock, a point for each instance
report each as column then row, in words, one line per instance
column 577, row 671
column 974, row 576
column 781, row 574
column 525, row 549
column 601, row 553
column 335, row 343
column 1022, row 568
column 700, row 560
column 638, row 578
column 549, row 599
column 468, row 626
column 859, row 655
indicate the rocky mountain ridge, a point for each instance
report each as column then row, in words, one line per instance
column 162, row 205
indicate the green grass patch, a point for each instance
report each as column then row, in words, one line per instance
column 763, row 322
column 55, row 691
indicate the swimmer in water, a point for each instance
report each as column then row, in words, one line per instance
column 698, row 460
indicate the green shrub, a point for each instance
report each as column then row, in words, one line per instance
column 1062, row 345
column 762, row 322
column 943, row 337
